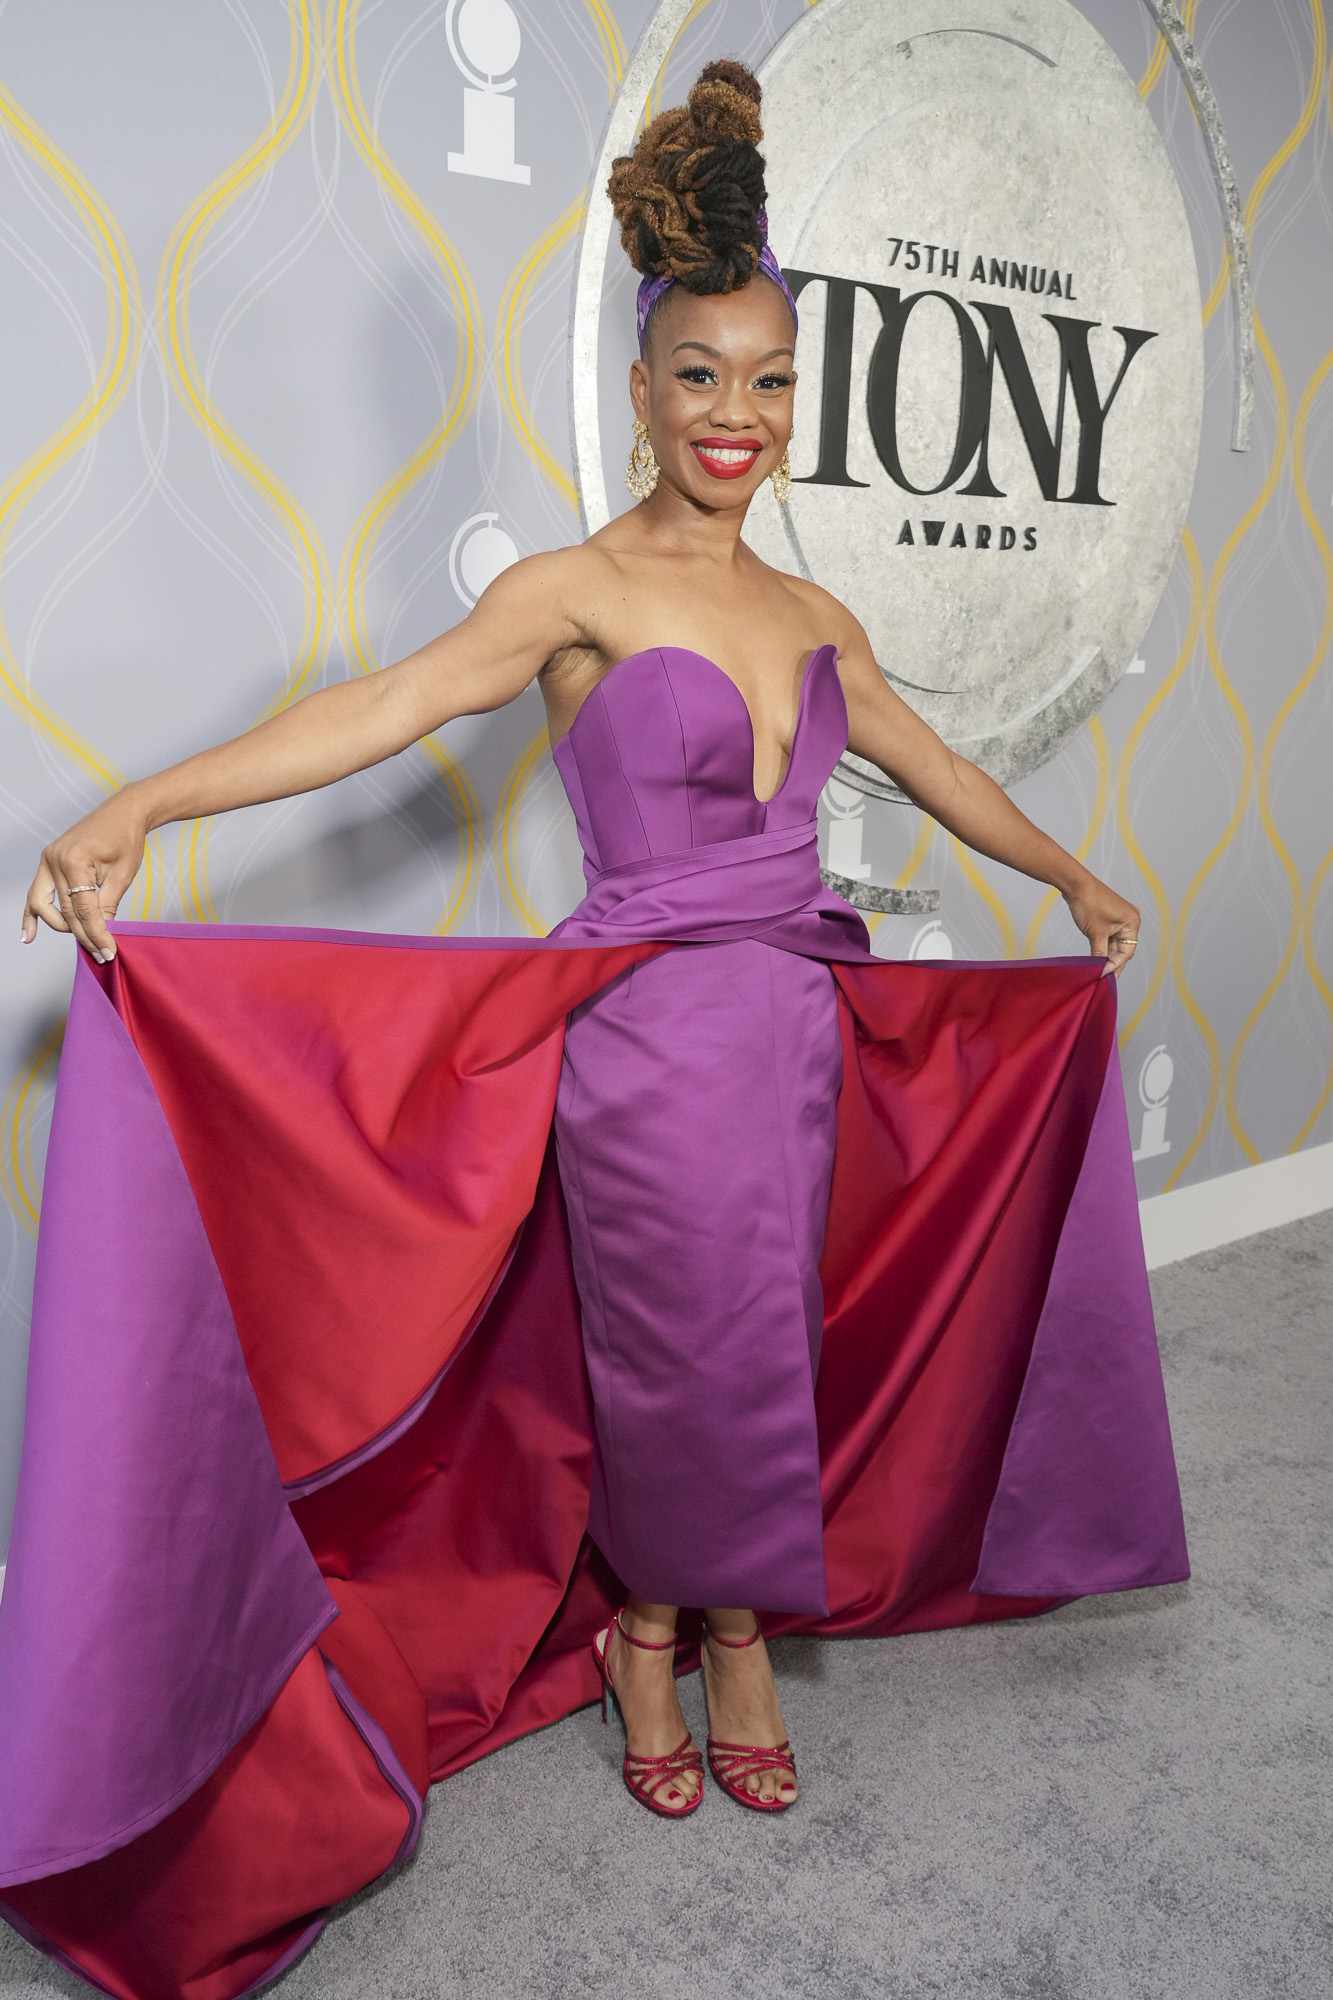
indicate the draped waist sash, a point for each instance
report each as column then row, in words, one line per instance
column 764, row 885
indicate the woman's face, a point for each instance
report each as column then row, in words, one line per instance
column 718, row 367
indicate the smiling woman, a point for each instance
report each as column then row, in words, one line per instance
column 661, row 759
column 465, row 1307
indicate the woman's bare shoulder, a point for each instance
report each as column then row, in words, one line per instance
column 584, row 567
column 567, row 569
column 555, row 591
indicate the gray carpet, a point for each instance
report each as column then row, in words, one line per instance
column 1128, row 1799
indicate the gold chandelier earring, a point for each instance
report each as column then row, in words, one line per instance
column 642, row 470
column 781, row 475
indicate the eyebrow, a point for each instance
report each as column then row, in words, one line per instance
column 716, row 352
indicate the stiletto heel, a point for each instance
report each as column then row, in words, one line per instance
column 732, row 1763
column 644, row 1776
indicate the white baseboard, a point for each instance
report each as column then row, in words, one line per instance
column 1210, row 1213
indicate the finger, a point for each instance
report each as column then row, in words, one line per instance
column 94, row 911
column 45, row 912
column 40, row 906
column 91, row 923
column 76, row 902
column 88, row 907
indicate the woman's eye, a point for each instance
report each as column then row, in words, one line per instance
column 694, row 371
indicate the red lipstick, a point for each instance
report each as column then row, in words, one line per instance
column 729, row 467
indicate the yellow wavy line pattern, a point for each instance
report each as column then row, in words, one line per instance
column 1148, row 714
column 614, row 52
column 173, row 318
column 563, row 230
column 1246, row 734
column 1317, row 974
column 654, row 101
column 1299, row 914
column 21, row 1101
column 343, row 16
column 120, row 354
column 115, row 371
column 1281, row 156
column 123, row 346
column 509, row 375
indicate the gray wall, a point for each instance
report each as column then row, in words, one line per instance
column 283, row 391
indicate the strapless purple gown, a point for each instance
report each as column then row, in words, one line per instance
column 695, row 1125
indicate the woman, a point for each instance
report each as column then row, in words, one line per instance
column 671, row 1135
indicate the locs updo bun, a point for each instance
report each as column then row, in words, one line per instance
column 689, row 198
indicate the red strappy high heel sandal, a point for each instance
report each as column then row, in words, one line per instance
column 732, row 1763
column 645, row 1776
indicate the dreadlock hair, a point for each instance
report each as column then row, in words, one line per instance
column 688, row 197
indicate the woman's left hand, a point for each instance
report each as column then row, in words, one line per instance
column 1110, row 924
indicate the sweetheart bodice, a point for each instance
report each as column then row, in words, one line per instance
column 660, row 756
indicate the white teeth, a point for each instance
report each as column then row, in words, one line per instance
column 725, row 456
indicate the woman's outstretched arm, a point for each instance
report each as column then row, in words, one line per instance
column 481, row 663
column 887, row 731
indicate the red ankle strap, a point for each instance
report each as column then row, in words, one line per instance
column 731, row 1642
column 649, row 1645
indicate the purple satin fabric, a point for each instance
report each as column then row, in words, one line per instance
column 158, row 1592
column 729, row 1349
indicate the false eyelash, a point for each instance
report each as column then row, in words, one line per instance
column 692, row 368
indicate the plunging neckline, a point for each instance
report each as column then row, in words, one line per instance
column 643, row 652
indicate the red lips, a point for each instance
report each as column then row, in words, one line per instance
column 714, row 467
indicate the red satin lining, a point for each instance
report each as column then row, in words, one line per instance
column 419, row 1122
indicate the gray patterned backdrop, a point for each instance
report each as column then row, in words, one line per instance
column 289, row 366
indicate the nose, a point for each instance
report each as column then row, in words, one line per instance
column 733, row 407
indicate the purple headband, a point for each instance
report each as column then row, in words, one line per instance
column 651, row 289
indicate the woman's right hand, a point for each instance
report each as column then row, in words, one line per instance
column 105, row 847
